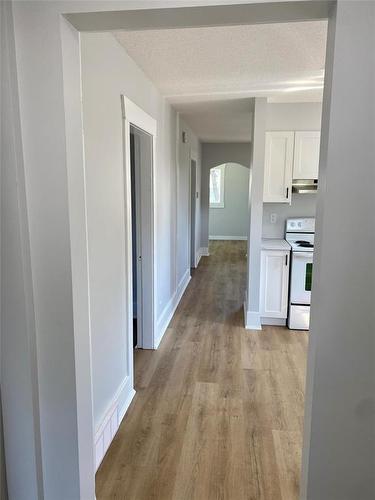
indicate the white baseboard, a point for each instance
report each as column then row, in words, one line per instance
column 252, row 319
column 170, row 308
column 112, row 419
column 273, row 321
column 229, row 238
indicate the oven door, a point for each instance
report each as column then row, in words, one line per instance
column 301, row 279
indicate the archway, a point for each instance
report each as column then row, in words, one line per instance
column 228, row 202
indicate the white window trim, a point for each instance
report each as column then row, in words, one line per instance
column 221, row 204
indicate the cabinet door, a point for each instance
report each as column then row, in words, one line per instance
column 274, row 284
column 278, row 167
column 306, row 155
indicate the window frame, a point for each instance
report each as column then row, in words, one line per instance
column 221, row 203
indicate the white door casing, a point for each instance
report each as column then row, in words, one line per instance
column 193, row 202
column 134, row 115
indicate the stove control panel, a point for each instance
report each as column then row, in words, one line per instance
column 303, row 225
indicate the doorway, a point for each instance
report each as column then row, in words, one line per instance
column 140, row 163
column 139, row 148
column 228, row 207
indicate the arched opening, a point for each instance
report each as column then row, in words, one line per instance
column 228, row 202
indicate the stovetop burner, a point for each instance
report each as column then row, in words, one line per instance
column 304, row 244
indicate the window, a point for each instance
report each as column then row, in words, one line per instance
column 308, row 277
column 217, row 176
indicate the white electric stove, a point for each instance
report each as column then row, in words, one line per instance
column 300, row 234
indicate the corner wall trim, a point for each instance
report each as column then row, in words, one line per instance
column 229, row 238
column 202, row 252
column 252, row 319
column 198, row 256
column 112, row 419
column 170, row 308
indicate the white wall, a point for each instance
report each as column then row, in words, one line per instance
column 303, row 205
column 102, row 123
column 232, row 220
column 4, row 56
column 3, row 481
column 17, row 349
column 54, row 225
column 191, row 149
column 107, row 66
column 53, row 228
column 214, row 154
column 252, row 306
column 107, row 71
column 339, row 451
column 294, row 116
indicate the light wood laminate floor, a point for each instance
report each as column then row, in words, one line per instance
column 219, row 410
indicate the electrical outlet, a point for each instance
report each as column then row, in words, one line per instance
column 273, row 218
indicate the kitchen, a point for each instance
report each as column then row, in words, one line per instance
column 289, row 202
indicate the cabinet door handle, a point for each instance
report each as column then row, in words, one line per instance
column 287, row 193
column 286, row 259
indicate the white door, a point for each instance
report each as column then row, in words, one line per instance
column 274, row 284
column 306, row 155
column 278, row 167
column 301, row 278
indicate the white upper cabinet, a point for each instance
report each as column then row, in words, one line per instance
column 278, row 168
column 306, row 155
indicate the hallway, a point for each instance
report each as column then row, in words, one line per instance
column 218, row 412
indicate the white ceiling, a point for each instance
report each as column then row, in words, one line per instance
column 222, row 67
column 219, row 121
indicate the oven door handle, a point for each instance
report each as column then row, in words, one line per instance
column 303, row 254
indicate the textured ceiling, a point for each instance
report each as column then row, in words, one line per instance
column 281, row 61
column 219, row 121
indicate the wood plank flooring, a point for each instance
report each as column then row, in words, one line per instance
column 218, row 411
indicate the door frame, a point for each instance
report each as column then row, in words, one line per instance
column 136, row 116
column 138, row 239
column 192, row 202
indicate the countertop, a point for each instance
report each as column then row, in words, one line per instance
column 275, row 244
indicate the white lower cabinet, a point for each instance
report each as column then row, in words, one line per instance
column 274, row 281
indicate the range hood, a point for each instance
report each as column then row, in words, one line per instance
column 304, row 186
